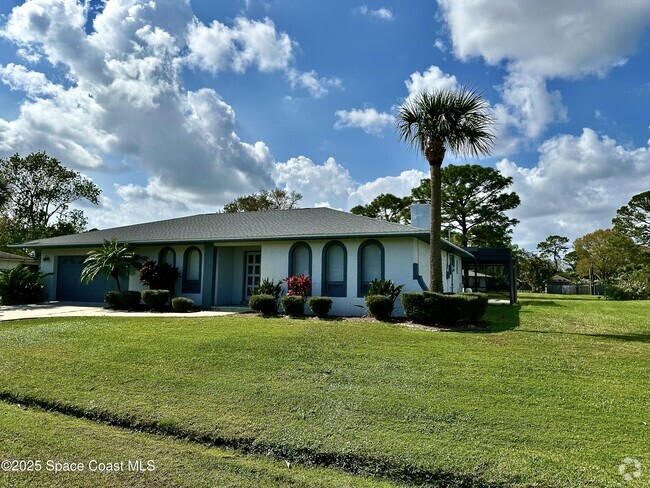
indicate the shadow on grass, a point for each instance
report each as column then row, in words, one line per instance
column 501, row 318
column 616, row 337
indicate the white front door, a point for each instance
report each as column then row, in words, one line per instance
column 252, row 273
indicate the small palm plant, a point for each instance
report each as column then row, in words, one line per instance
column 432, row 123
column 113, row 259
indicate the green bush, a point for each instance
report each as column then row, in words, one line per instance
column 293, row 305
column 264, row 303
column 615, row 292
column 438, row 308
column 182, row 304
column 380, row 306
column 21, row 285
column 155, row 299
column 122, row 300
column 320, row 305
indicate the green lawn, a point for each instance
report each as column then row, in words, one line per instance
column 557, row 393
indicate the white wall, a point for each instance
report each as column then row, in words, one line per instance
column 400, row 254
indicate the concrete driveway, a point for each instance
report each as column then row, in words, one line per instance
column 72, row 309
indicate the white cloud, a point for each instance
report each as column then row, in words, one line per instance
column 399, row 186
column 218, row 47
column 309, row 80
column 380, row 13
column 327, row 184
column 576, row 186
column 544, row 40
column 368, row 119
column 432, row 79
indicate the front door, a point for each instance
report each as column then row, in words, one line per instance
column 252, row 273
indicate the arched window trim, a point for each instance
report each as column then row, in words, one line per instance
column 193, row 286
column 324, row 289
column 363, row 245
column 295, row 246
column 162, row 253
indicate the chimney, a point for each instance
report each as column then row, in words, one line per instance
column 421, row 215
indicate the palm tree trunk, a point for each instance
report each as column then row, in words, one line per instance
column 435, row 251
column 117, row 282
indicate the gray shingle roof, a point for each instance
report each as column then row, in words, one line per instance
column 304, row 223
column 13, row 257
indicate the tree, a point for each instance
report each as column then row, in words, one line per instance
column 38, row 191
column 113, row 259
column 604, row 253
column 474, row 204
column 534, row 270
column 432, row 123
column 554, row 247
column 275, row 199
column 386, row 207
column 633, row 219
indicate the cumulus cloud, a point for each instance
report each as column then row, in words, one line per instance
column 368, row 119
column 576, row 185
column 432, row 79
column 399, row 186
column 218, row 47
column 544, row 40
column 310, row 81
column 327, row 184
column 380, row 13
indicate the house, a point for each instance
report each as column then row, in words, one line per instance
column 10, row 261
column 222, row 256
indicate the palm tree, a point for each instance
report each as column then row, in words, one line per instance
column 436, row 121
column 113, row 259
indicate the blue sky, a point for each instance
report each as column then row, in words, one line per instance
column 175, row 108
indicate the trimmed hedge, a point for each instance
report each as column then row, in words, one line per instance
column 155, row 299
column 320, row 305
column 182, row 304
column 122, row 300
column 293, row 305
column 263, row 303
column 380, row 306
column 437, row 308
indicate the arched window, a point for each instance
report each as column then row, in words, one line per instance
column 192, row 270
column 370, row 262
column 300, row 259
column 335, row 262
column 167, row 255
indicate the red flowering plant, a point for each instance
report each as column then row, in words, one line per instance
column 298, row 285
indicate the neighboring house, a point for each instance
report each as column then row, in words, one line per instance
column 10, row 261
column 222, row 256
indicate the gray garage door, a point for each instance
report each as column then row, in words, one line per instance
column 70, row 288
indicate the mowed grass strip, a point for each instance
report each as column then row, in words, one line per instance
column 117, row 457
column 556, row 394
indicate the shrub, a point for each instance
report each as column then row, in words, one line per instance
column 615, row 292
column 155, row 299
column 320, row 305
column 379, row 306
column 182, row 304
column 264, row 303
column 122, row 300
column 298, row 285
column 21, row 285
column 293, row 305
column 437, row 308
column 161, row 276
column 269, row 287
column 386, row 288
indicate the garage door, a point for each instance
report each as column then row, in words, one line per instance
column 69, row 287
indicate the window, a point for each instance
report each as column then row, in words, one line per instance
column 334, row 270
column 167, row 255
column 300, row 259
column 192, row 271
column 370, row 262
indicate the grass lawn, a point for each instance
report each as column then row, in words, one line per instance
column 557, row 393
